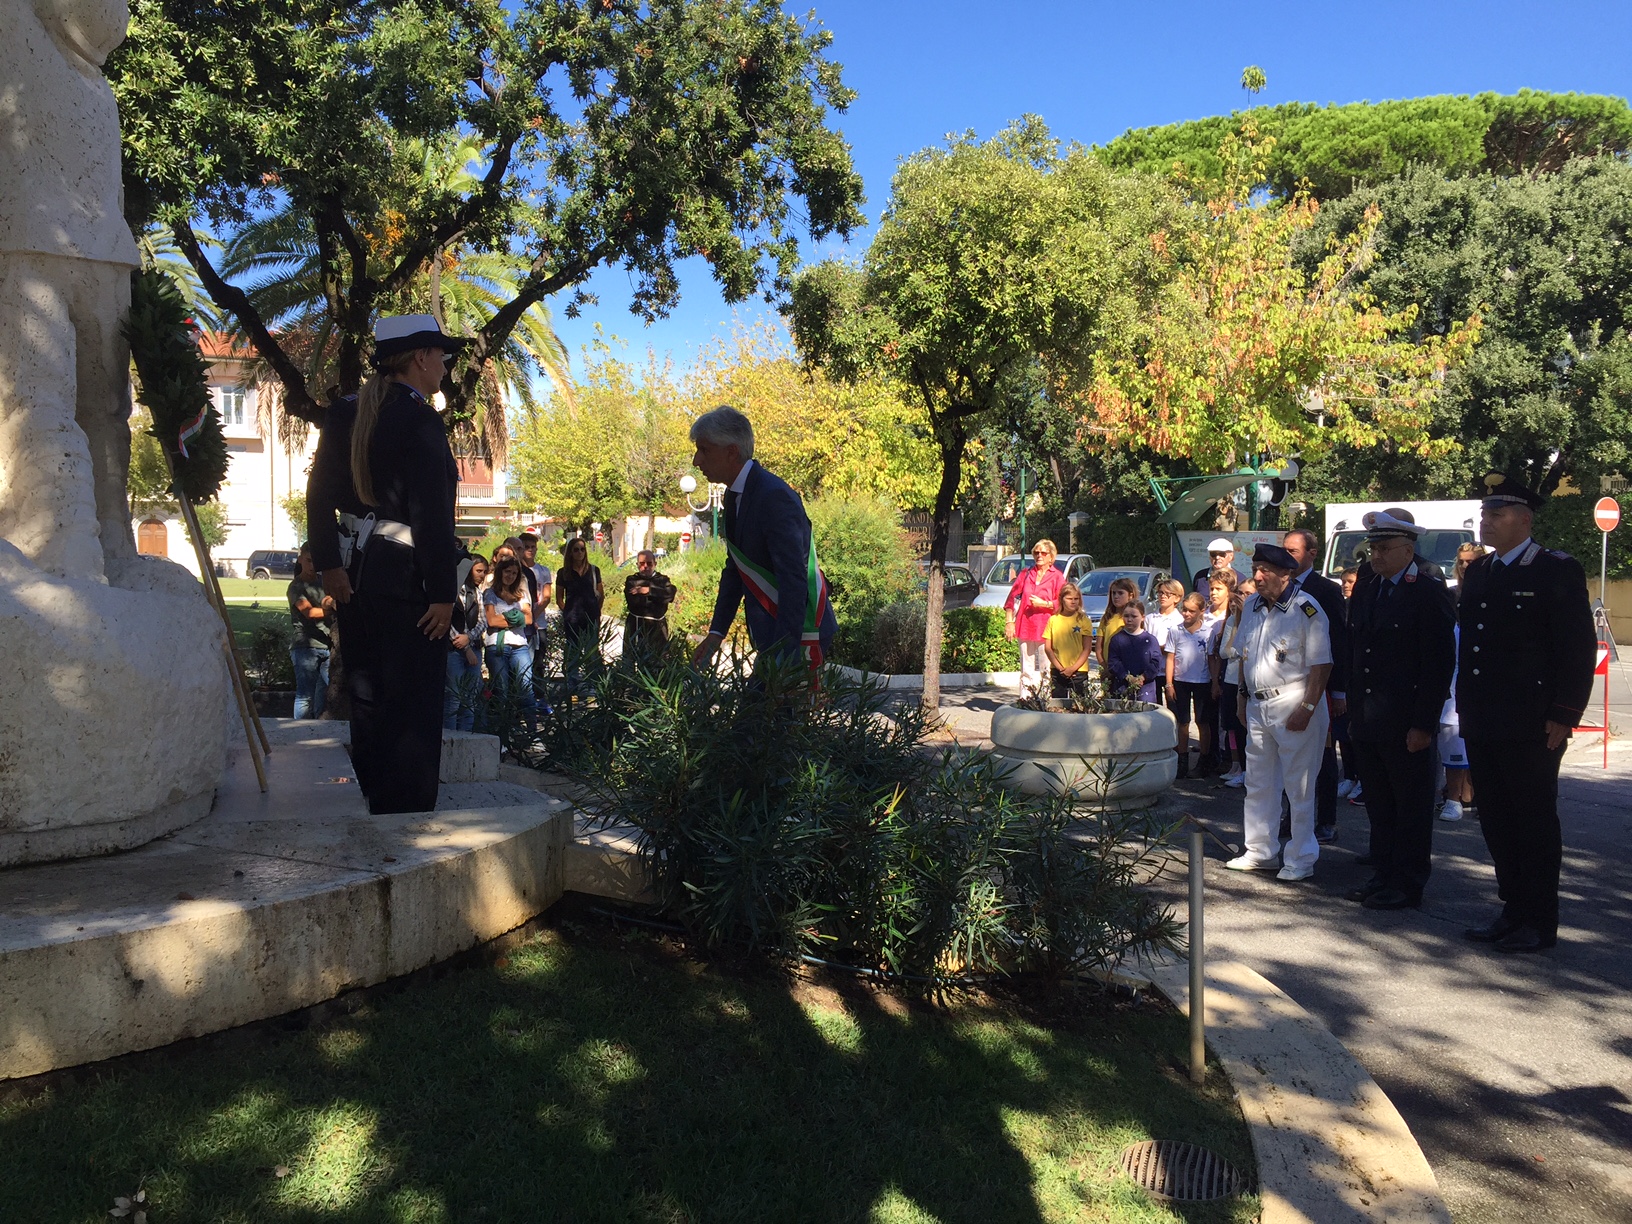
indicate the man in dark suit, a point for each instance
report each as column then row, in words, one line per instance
column 772, row 569
column 1402, row 650
column 1328, row 596
column 1523, row 679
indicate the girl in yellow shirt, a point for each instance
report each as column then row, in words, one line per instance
column 1068, row 640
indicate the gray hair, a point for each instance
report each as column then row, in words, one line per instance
column 725, row 426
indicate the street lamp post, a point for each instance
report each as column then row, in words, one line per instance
column 716, row 496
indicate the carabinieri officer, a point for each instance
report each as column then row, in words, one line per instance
column 386, row 452
column 1524, row 674
column 1402, row 643
column 1285, row 646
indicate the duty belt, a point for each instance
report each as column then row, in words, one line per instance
column 1266, row 694
column 397, row 533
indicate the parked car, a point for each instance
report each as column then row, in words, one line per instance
column 1075, row 566
column 273, row 563
column 961, row 586
column 1096, row 587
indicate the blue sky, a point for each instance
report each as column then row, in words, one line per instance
column 1093, row 70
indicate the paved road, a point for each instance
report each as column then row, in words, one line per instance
column 1515, row 1073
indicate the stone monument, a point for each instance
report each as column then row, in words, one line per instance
column 114, row 688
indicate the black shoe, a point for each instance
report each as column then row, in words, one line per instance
column 1495, row 932
column 1525, row 939
column 1368, row 889
column 1326, row 833
column 1392, row 899
column 1184, row 767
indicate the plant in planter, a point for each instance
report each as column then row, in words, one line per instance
column 1115, row 751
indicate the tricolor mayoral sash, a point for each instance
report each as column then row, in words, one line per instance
column 761, row 584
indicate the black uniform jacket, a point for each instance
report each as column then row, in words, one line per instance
column 415, row 481
column 1329, row 597
column 1528, row 645
column 1402, row 651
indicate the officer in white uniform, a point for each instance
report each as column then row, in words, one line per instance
column 1285, row 643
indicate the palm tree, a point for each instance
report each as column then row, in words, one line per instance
column 275, row 257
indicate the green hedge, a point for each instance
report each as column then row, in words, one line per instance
column 971, row 641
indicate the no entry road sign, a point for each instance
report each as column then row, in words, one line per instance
column 1607, row 514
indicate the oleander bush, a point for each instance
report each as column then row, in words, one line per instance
column 792, row 826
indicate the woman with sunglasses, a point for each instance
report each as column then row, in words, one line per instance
column 1033, row 598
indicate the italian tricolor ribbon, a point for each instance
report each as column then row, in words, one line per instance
column 190, row 429
column 761, row 584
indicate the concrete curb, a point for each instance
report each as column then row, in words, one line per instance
column 1331, row 1148
column 909, row 680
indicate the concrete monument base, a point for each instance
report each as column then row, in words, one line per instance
column 270, row 903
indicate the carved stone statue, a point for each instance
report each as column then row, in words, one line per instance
column 113, row 694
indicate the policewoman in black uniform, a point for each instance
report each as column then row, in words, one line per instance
column 383, row 465
column 1402, row 644
column 1524, row 674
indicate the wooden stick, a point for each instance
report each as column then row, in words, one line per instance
column 212, row 592
column 246, row 711
column 213, row 585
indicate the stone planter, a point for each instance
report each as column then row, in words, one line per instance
column 1048, row 752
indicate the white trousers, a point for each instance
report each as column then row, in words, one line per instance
column 1033, row 669
column 1280, row 760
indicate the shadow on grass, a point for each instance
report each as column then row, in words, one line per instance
column 587, row 1077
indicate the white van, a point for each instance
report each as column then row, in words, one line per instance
column 1450, row 524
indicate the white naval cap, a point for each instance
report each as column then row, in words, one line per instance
column 1220, row 545
column 1381, row 525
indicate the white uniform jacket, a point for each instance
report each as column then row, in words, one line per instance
column 1279, row 644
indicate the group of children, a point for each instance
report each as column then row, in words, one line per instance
column 1182, row 655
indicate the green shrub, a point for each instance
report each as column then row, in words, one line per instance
column 868, row 561
column 269, row 664
column 971, row 641
column 793, row 826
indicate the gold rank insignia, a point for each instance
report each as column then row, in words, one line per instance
column 1308, row 609
column 1494, row 479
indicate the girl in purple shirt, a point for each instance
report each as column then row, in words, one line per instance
column 1134, row 652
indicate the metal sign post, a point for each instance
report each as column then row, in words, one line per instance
column 1607, row 514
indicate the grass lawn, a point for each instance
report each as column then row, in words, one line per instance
column 591, row 1076
column 274, row 591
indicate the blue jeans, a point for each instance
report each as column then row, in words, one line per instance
column 511, row 670
column 311, row 680
column 464, row 687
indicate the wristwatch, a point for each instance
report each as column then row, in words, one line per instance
column 1308, row 706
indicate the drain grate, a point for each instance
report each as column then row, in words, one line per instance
column 1181, row 1171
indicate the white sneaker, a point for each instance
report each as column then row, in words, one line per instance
column 1239, row 778
column 1293, row 874
column 1451, row 811
column 1345, row 788
column 1244, row 863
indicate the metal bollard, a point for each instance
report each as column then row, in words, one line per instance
column 1198, row 964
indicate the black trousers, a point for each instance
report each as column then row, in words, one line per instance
column 396, row 678
column 1516, row 781
column 1399, row 790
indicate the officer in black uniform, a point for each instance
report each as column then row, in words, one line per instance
column 384, row 466
column 1402, row 643
column 1524, row 676
column 647, row 595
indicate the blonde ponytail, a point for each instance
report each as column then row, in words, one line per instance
column 369, row 400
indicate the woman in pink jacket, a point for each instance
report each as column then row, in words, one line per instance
column 1034, row 597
